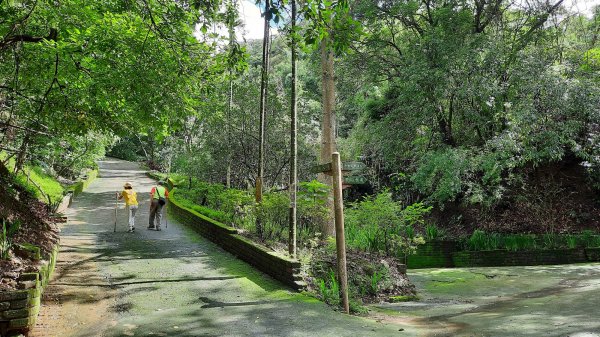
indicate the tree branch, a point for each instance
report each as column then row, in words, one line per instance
column 7, row 41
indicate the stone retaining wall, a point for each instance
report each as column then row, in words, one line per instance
column 84, row 183
column 444, row 254
column 592, row 254
column 433, row 254
column 279, row 267
column 19, row 308
column 494, row 258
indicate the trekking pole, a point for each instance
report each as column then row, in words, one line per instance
column 166, row 216
column 116, row 206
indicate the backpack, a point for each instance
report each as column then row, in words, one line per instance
column 161, row 200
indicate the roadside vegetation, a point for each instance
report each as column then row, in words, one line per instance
column 477, row 121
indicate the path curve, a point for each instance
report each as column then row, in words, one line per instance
column 169, row 283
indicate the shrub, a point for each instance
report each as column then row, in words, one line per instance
column 6, row 237
column 312, row 208
column 378, row 223
column 477, row 241
column 517, row 242
column 432, row 232
column 329, row 289
column 272, row 213
column 440, row 174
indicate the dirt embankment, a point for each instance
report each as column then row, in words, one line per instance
column 555, row 198
column 34, row 225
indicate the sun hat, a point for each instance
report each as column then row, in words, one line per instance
column 127, row 184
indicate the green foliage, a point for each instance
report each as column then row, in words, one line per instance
column 591, row 60
column 517, row 242
column 182, row 197
column 51, row 192
column 441, row 174
column 237, row 208
column 38, row 183
column 356, row 307
column 375, row 279
column 465, row 109
column 481, row 240
column 312, row 208
column 378, row 223
column 432, row 232
column 6, row 237
column 571, row 241
column 329, row 289
column 272, row 213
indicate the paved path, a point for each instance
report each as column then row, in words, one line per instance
column 510, row 301
column 175, row 283
column 169, row 283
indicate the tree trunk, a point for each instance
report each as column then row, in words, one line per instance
column 231, row 26
column 328, row 128
column 263, row 108
column 20, row 161
column 228, row 131
column 293, row 141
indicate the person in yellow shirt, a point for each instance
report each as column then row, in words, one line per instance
column 131, row 204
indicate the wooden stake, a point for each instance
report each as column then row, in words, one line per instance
column 340, row 241
column 116, row 206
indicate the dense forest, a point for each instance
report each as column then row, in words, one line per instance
column 487, row 111
column 480, row 115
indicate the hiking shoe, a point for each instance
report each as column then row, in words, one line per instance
column 158, row 229
column 130, row 230
column 150, row 227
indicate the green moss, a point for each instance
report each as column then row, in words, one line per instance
column 32, row 250
column 79, row 186
column 404, row 298
column 192, row 208
column 48, row 184
column 386, row 311
column 457, row 280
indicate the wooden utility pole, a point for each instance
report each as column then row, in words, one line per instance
column 328, row 127
column 293, row 142
column 340, row 240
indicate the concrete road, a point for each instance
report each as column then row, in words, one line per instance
column 175, row 283
column 509, row 301
column 169, row 283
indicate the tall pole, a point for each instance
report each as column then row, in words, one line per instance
column 340, row 240
column 328, row 145
column 116, row 206
column 228, row 131
column 293, row 142
column 230, row 23
column 263, row 105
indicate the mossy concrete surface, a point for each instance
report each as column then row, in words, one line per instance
column 174, row 282
column 505, row 301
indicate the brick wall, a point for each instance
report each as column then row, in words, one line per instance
column 279, row 267
column 592, row 254
column 443, row 254
column 495, row 258
column 433, row 254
